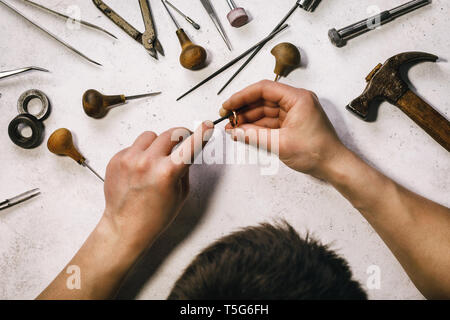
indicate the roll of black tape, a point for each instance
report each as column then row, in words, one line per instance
column 23, row 121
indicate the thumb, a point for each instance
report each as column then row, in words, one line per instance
column 185, row 154
column 259, row 137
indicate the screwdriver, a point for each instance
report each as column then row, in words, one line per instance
column 61, row 143
column 96, row 105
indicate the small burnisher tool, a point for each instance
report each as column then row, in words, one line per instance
column 188, row 19
column 19, row 199
column 237, row 16
column 212, row 13
column 97, row 105
column 61, row 143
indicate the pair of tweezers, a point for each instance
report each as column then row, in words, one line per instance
column 19, row 199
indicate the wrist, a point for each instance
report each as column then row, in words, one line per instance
column 122, row 251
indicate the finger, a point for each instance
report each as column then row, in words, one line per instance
column 144, row 141
column 257, row 136
column 184, row 156
column 271, row 123
column 166, row 142
column 270, row 91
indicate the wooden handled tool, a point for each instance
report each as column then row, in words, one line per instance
column 97, row 105
column 61, row 143
column 192, row 57
column 287, row 57
column 385, row 82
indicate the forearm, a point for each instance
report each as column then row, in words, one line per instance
column 103, row 262
column 416, row 229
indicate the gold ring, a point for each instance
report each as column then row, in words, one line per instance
column 234, row 119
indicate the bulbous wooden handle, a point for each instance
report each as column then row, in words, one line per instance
column 192, row 57
column 96, row 105
column 61, row 143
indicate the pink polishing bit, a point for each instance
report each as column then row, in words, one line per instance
column 237, row 16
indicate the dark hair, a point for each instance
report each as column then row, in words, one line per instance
column 268, row 263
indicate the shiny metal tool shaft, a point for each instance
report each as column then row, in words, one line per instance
column 56, row 13
column 19, row 199
column 84, row 164
column 212, row 13
column 340, row 37
column 6, row 74
column 50, row 34
column 188, row 19
column 143, row 95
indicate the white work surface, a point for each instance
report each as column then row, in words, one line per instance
column 37, row 238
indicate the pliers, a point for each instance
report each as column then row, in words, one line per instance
column 148, row 39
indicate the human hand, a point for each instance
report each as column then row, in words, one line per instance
column 307, row 140
column 147, row 184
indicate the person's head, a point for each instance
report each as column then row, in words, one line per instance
column 268, row 263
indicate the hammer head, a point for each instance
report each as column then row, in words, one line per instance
column 386, row 83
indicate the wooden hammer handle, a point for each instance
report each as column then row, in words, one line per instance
column 426, row 117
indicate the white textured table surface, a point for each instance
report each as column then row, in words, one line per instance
column 39, row 237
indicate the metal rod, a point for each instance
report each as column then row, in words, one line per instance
column 19, row 199
column 9, row 73
column 84, row 164
column 171, row 16
column 88, row 24
column 212, row 14
column 232, row 62
column 258, row 48
column 143, row 95
column 50, row 34
column 232, row 4
column 188, row 19
column 340, row 37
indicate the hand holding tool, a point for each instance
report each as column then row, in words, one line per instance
column 385, row 82
column 237, row 16
column 287, row 57
column 191, row 21
column 307, row 5
column 232, row 62
column 97, row 105
column 61, row 143
column 85, row 23
column 192, row 57
column 212, row 13
column 148, row 39
column 340, row 37
column 19, row 199
column 6, row 74
column 50, row 34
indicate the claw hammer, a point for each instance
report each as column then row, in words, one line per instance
column 385, row 83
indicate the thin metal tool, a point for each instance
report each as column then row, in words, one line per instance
column 307, row 5
column 235, row 60
column 88, row 24
column 61, row 143
column 188, row 19
column 148, row 39
column 50, row 34
column 340, row 37
column 212, row 13
column 6, row 74
column 19, row 199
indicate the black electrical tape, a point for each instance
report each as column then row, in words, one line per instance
column 27, row 120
